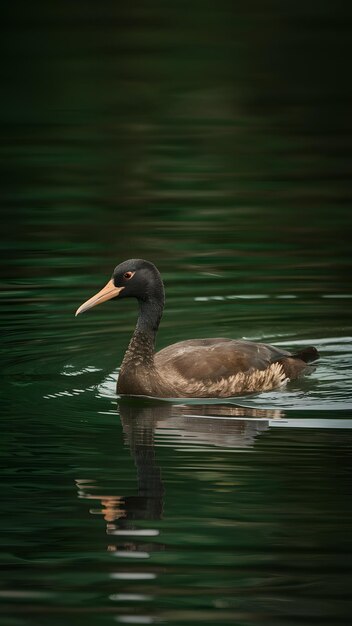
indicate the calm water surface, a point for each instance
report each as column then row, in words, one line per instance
column 211, row 146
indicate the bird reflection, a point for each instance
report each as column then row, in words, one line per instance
column 143, row 421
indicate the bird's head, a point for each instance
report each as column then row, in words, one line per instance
column 134, row 278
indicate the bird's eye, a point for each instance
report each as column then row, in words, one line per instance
column 128, row 275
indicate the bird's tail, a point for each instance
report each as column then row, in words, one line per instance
column 307, row 354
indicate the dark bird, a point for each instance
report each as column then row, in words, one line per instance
column 198, row 368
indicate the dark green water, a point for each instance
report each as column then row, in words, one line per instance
column 215, row 141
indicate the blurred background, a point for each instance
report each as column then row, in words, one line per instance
column 197, row 134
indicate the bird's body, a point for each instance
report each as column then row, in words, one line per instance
column 199, row 368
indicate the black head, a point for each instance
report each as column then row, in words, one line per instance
column 138, row 279
column 134, row 278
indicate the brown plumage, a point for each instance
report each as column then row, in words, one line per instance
column 200, row 368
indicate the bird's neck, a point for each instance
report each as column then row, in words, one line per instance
column 150, row 313
column 140, row 351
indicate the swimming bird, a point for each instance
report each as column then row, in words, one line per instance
column 199, row 368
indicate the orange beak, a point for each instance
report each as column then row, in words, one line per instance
column 108, row 292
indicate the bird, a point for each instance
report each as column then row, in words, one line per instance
column 194, row 368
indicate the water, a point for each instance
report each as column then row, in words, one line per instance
column 213, row 142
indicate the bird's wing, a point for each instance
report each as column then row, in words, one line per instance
column 214, row 359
